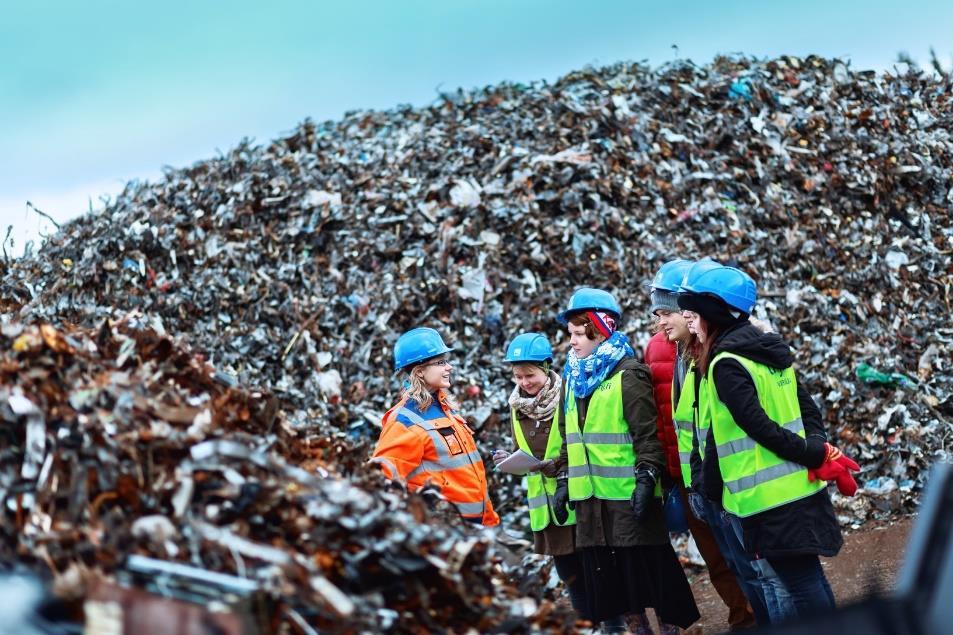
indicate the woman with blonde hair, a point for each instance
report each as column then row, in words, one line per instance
column 424, row 440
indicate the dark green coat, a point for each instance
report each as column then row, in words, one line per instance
column 611, row 523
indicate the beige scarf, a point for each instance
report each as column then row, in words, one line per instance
column 543, row 404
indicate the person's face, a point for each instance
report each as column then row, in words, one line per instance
column 529, row 378
column 696, row 325
column 673, row 324
column 581, row 345
column 436, row 373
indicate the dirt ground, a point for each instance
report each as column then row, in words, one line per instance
column 867, row 564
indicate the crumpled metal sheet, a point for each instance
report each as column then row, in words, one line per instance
column 106, row 481
column 293, row 266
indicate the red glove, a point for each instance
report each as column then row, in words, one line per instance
column 836, row 467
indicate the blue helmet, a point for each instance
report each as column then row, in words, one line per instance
column 670, row 275
column 733, row 286
column 695, row 271
column 529, row 347
column 589, row 299
column 417, row 345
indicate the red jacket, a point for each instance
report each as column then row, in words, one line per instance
column 660, row 357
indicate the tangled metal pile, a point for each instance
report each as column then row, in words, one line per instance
column 293, row 266
column 120, row 442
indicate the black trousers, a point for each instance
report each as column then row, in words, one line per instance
column 569, row 570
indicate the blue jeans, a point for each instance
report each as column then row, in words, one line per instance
column 780, row 604
column 805, row 580
column 738, row 560
column 777, row 599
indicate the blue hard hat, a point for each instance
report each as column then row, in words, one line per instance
column 670, row 275
column 733, row 286
column 529, row 347
column 417, row 345
column 695, row 271
column 589, row 299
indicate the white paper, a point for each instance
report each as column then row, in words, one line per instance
column 518, row 463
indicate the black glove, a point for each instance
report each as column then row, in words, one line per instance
column 643, row 498
column 561, row 502
column 697, row 505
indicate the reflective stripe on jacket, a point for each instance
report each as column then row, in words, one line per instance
column 435, row 447
column 755, row 478
column 601, row 458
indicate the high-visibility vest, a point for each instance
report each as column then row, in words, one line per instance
column 601, row 459
column 449, row 460
column 683, row 418
column 755, row 478
column 539, row 488
column 691, row 419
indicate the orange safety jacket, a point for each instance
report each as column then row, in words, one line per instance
column 436, row 447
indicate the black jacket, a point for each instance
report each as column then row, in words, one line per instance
column 807, row 526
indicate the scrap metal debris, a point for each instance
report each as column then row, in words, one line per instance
column 289, row 269
column 120, row 489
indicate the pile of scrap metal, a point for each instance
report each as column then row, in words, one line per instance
column 131, row 467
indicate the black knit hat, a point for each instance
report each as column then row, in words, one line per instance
column 712, row 308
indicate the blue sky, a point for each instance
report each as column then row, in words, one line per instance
column 95, row 93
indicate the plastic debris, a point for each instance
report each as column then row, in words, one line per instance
column 867, row 374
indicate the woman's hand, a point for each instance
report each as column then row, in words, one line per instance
column 696, row 504
column 561, row 503
column 836, row 467
column 547, row 468
column 499, row 456
column 643, row 496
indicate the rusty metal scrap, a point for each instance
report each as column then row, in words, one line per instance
column 208, row 359
column 104, row 470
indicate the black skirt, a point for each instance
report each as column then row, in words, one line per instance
column 624, row 580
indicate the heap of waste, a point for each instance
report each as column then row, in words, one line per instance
column 292, row 267
column 124, row 452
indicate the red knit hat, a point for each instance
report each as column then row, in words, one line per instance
column 603, row 322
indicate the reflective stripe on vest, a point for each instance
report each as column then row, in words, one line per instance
column 683, row 419
column 601, row 459
column 539, row 488
column 743, row 445
column 702, row 415
column 756, row 479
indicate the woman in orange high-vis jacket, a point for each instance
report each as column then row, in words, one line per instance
column 423, row 438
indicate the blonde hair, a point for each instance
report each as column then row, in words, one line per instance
column 421, row 393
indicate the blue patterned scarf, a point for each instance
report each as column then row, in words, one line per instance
column 585, row 375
